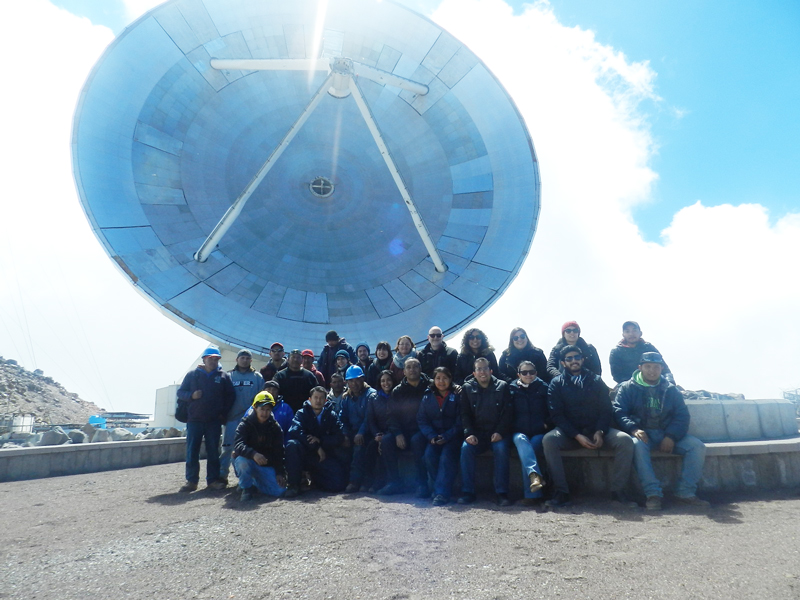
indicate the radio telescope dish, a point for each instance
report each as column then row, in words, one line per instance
column 263, row 172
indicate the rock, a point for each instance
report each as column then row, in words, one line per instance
column 120, row 434
column 158, row 434
column 172, row 433
column 89, row 430
column 140, row 436
column 101, row 435
column 54, row 437
column 77, row 436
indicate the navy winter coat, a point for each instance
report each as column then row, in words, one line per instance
column 326, row 363
column 430, row 359
column 354, row 412
column 509, row 362
column 531, row 415
column 465, row 366
column 405, row 405
column 434, row 421
column 378, row 413
column 660, row 407
column 624, row 360
column 579, row 408
column 328, row 428
column 218, row 395
column 295, row 386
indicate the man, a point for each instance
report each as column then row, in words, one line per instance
column 326, row 363
column 342, row 363
column 581, row 411
column 362, row 354
column 308, row 364
column 295, row 381
column 276, row 361
column 436, row 353
column 259, row 462
column 209, row 393
column 354, row 423
column 336, row 394
column 627, row 355
column 486, row 415
column 282, row 412
column 315, row 437
column 246, row 384
column 651, row 409
column 404, row 431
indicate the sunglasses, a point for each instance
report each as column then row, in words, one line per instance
column 572, row 330
column 527, row 372
column 475, row 337
column 516, row 338
column 573, row 358
column 434, row 335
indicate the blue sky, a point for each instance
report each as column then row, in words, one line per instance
column 668, row 142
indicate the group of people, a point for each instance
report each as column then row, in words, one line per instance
column 342, row 422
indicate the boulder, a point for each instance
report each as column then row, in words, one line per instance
column 101, row 435
column 77, row 436
column 89, row 430
column 172, row 433
column 54, row 437
column 158, row 434
column 120, row 434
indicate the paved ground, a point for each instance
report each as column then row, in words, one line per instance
column 130, row 535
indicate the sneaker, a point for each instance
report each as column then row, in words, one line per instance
column 291, row 492
column 390, row 489
column 351, row 488
column 558, row 500
column 621, row 498
column 439, row 500
column 247, row 495
column 467, row 498
column 653, row 503
column 693, row 501
column 423, row 492
column 305, row 482
column 537, row 482
column 187, row 487
column 502, row 500
column 217, row 484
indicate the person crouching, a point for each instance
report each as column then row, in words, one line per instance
column 258, row 451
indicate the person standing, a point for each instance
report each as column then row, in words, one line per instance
column 571, row 336
column 437, row 353
column 326, row 363
column 474, row 345
column 626, row 357
column 209, row 393
column 295, row 381
column 521, row 348
column 247, row 382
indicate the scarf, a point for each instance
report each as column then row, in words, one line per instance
column 400, row 363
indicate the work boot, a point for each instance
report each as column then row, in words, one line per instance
column 558, row 500
column 536, row 482
column 653, row 503
column 621, row 498
column 189, row 486
column 693, row 501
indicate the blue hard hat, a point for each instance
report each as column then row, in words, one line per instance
column 353, row 373
column 211, row 351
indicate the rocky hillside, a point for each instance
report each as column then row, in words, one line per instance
column 23, row 392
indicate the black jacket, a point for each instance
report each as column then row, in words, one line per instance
column 434, row 421
column 591, row 360
column 328, row 429
column 660, row 407
column 430, row 359
column 579, row 408
column 326, row 363
column 624, row 360
column 405, row 405
column 465, row 366
column 218, row 395
column 374, row 372
column 296, row 386
column 265, row 438
column 531, row 415
column 485, row 411
column 509, row 362
column 378, row 413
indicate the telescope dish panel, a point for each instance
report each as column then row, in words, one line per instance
column 369, row 175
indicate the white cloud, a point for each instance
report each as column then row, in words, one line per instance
column 718, row 296
column 136, row 8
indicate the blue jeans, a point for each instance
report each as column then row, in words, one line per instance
column 228, row 434
column 468, row 456
column 690, row 448
column 528, row 448
column 252, row 474
column 195, row 434
column 442, row 465
column 415, row 444
column 329, row 475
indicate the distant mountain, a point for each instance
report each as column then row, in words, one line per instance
column 23, row 392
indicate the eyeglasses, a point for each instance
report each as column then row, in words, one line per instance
column 516, row 338
column 572, row 330
column 475, row 337
column 573, row 358
column 482, row 369
column 434, row 335
column 527, row 372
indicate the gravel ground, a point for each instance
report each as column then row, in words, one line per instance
column 130, row 534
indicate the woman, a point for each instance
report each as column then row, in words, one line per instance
column 404, row 350
column 571, row 336
column 383, row 358
column 378, row 423
column 474, row 345
column 531, row 421
column 439, row 419
column 520, row 348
